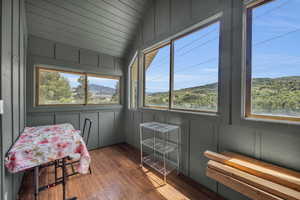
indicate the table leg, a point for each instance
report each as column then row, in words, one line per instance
column 64, row 171
column 36, row 182
column 64, row 178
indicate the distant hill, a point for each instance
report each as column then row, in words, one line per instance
column 292, row 82
column 269, row 95
column 100, row 89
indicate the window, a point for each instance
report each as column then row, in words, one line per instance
column 196, row 69
column 57, row 87
column 133, row 83
column 273, row 67
column 192, row 61
column 157, row 77
column 103, row 90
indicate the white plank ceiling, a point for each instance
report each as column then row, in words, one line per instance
column 107, row 26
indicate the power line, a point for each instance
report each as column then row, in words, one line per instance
column 186, row 52
column 190, row 43
column 256, row 44
column 182, row 69
column 276, row 37
column 271, row 10
column 202, row 44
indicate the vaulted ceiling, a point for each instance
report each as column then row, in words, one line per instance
column 107, row 26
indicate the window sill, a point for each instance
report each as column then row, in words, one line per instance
column 200, row 113
column 77, row 108
column 273, row 121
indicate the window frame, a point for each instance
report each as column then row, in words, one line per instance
column 248, row 65
column 171, row 83
column 38, row 68
column 134, row 58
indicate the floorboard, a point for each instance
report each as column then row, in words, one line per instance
column 117, row 175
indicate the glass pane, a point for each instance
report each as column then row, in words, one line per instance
column 60, row 88
column 196, row 68
column 103, row 90
column 157, row 75
column 275, row 86
column 133, row 84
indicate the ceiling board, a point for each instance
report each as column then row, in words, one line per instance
column 108, row 26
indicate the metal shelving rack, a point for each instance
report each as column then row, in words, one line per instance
column 161, row 147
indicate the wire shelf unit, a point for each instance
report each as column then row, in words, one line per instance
column 161, row 146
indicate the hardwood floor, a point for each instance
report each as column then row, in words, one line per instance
column 117, row 175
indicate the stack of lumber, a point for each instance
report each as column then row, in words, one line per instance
column 253, row 178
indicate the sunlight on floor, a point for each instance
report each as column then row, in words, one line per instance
column 166, row 190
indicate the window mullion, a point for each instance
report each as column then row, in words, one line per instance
column 248, row 63
column 171, row 75
column 86, row 89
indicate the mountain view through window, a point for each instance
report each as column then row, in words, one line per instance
column 275, row 67
column 102, row 90
column 60, row 88
column 57, row 87
column 195, row 72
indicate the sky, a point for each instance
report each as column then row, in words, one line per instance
column 276, row 39
column 103, row 81
column 73, row 80
column 275, row 51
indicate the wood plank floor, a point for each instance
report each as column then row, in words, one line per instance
column 117, row 175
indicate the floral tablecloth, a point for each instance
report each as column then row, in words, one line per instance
column 42, row 144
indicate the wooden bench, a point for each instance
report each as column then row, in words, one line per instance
column 253, row 178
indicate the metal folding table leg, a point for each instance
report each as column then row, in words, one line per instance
column 64, row 171
column 36, row 182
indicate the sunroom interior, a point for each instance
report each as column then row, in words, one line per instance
column 150, row 99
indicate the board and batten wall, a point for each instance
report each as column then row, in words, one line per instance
column 13, row 87
column 272, row 141
column 106, row 119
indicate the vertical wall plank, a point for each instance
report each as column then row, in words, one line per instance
column 162, row 17
column 15, row 83
column 6, row 85
column 180, row 14
column 66, row 117
column 15, row 69
column 106, row 127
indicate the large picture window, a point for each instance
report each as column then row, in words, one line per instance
column 184, row 74
column 133, row 83
column 196, row 69
column 57, row 87
column 273, row 67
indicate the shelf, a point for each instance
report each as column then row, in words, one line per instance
column 159, row 127
column 158, row 164
column 160, row 145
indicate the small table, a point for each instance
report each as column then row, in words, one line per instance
column 42, row 145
